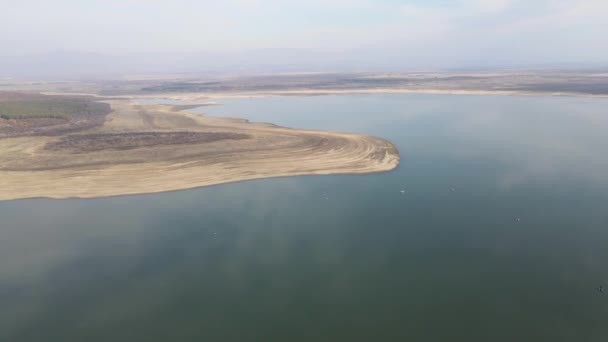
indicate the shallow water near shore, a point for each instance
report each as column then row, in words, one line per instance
column 493, row 228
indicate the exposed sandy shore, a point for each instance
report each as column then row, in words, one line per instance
column 179, row 150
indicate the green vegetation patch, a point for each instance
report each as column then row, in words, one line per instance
column 40, row 106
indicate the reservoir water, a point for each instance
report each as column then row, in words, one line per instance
column 493, row 228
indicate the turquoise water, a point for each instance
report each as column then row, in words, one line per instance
column 501, row 235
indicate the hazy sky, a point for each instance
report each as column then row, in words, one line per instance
column 400, row 34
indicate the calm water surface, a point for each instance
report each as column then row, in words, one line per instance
column 501, row 235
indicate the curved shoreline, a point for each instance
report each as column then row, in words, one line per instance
column 29, row 169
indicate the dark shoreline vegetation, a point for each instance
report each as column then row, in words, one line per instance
column 82, row 143
column 24, row 113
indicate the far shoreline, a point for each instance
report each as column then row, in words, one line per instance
column 198, row 96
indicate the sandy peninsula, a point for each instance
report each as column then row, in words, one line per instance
column 156, row 148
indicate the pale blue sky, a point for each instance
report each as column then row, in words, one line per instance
column 402, row 34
